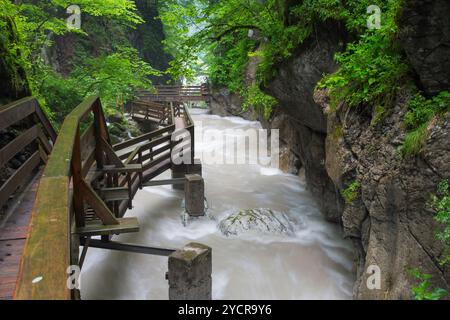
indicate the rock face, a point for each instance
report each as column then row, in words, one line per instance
column 425, row 37
column 104, row 35
column 301, row 120
column 389, row 220
column 14, row 83
column 262, row 221
column 147, row 39
column 226, row 103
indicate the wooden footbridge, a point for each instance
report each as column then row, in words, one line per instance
column 81, row 197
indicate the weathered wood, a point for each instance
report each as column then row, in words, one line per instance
column 44, row 142
column 157, row 170
column 45, row 122
column 16, row 112
column 164, row 182
column 77, row 178
column 49, row 238
column 87, row 142
column 157, row 161
column 48, row 242
column 124, row 225
column 15, row 146
column 115, row 194
column 130, row 168
column 19, row 177
column 145, row 137
column 110, row 153
column 96, row 203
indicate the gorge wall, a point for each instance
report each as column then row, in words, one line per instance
column 104, row 35
column 390, row 222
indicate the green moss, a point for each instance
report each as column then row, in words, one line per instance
column 379, row 115
column 421, row 112
column 337, row 133
column 414, row 141
column 351, row 192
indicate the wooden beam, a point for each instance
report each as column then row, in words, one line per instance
column 124, row 225
column 19, row 177
column 96, row 203
column 17, row 145
column 45, row 122
column 46, row 256
column 111, row 154
column 164, row 182
column 130, row 168
column 16, row 112
column 77, row 179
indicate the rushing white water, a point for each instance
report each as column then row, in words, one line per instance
column 315, row 263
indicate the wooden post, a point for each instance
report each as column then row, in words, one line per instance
column 178, row 171
column 78, row 204
column 190, row 272
column 194, row 188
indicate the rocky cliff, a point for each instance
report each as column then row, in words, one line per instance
column 14, row 83
column 390, row 221
column 104, row 35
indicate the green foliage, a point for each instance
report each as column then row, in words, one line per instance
column 414, row 141
column 424, row 290
column 215, row 34
column 254, row 97
column 351, row 192
column 114, row 71
column 372, row 69
column 441, row 204
column 115, row 77
column 420, row 112
column 228, row 69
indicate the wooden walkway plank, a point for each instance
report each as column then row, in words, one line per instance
column 12, row 240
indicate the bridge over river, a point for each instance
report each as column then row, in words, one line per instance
column 75, row 187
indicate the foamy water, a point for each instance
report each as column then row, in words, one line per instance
column 315, row 263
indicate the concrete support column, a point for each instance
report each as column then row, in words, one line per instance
column 194, row 188
column 190, row 272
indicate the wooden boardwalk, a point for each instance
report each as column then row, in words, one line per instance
column 86, row 188
column 12, row 239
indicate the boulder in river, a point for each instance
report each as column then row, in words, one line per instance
column 265, row 221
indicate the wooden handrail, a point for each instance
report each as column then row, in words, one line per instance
column 59, row 206
column 38, row 128
column 47, row 252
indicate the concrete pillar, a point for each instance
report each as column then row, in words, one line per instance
column 194, row 188
column 190, row 272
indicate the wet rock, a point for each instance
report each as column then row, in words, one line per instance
column 226, row 103
column 389, row 221
column 302, row 121
column 425, row 37
column 264, row 221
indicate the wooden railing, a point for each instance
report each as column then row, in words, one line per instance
column 59, row 213
column 81, row 193
column 177, row 94
column 37, row 132
column 153, row 111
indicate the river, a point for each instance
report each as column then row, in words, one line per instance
column 313, row 263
